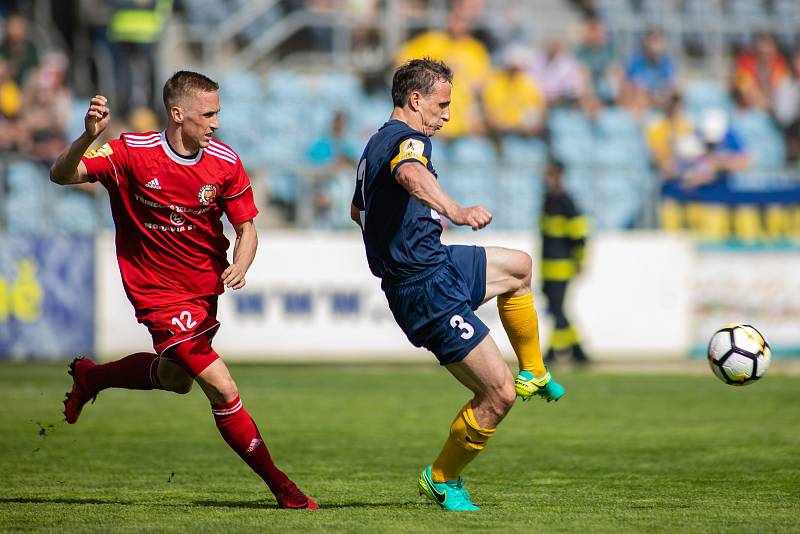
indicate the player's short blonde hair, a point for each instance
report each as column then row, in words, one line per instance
column 186, row 83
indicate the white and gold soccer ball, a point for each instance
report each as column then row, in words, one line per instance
column 738, row 354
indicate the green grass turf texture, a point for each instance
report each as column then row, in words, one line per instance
column 619, row 453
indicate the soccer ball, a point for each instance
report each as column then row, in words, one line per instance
column 738, row 354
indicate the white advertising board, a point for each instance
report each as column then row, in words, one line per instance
column 310, row 295
column 759, row 287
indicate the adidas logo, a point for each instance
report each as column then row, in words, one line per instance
column 153, row 184
column 253, row 444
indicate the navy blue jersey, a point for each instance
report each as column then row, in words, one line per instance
column 401, row 234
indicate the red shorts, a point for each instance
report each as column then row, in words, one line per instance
column 173, row 325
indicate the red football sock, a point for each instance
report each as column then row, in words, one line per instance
column 136, row 371
column 241, row 433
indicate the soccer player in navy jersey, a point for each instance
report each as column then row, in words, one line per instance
column 168, row 192
column 433, row 289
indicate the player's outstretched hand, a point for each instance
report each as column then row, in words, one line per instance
column 97, row 116
column 476, row 217
column 233, row 277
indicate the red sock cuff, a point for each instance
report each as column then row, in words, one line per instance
column 227, row 408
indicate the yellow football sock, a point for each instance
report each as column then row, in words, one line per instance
column 521, row 323
column 466, row 440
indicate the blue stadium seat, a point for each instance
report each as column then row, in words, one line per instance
column 242, row 88
column 519, row 197
column 287, row 86
column 574, row 149
column 76, row 214
column 75, row 125
column 339, row 90
column 617, row 123
column 700, row 95
column 440, row 152
column 473, row 150
column 569, row 122
column 469, row 184
column 522, row 151
column 26, row 214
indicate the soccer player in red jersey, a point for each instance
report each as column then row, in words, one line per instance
column 168, row 192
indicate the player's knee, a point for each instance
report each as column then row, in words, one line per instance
column 183, row 387
column 506, row 397
column 501, row 400
column 226, row 390
column 524, row 270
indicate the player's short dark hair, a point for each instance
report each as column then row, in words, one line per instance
column 418, row 75
column 186, row 83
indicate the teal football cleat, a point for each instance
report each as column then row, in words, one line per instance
column 526, row 386
column 449, row 495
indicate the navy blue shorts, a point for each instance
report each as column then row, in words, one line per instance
column 437, row 311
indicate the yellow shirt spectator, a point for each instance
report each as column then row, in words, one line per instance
column 662, row 134
column 513, row 102
column 466, row 55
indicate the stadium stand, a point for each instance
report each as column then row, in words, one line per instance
column 274, row 108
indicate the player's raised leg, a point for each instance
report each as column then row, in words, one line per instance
column 485, row 373
column 240, row 431
column 135, row 371
column 508, row 277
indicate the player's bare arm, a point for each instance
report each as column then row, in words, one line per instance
column 243, row 254
column 68, row 168
column 421, row 184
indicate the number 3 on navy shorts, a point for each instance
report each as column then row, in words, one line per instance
column 467, row 331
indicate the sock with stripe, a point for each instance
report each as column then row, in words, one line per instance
column 521, row 323
column 135, row 371
column 465, row 441
column 241, row 433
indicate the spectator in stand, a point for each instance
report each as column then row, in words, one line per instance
column 559, row 74
column 721, row 152
column 17, row 49
column 333, row 157
column 10, row 104
column 596, row 54
column 467, row 56
column 652, row 76
column 663, row 133
column 759, row 71
column 46, row 108
column 512, row 101
column 786, row 107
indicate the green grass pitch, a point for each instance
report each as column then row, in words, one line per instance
column 620, row 453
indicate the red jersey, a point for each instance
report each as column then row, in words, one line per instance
column 167, row 211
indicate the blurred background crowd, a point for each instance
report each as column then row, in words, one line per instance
column 648, row 104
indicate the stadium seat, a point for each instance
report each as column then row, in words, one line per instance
column 569, row 122
column 521, row 151
column 25, row 177
column 700, row 95
column 26, row 214
column 76, row 214
column 473, row 150
column 287, row 86
column 519, row 197
column 469, row 184
column 242, row 88
column 617, row 123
